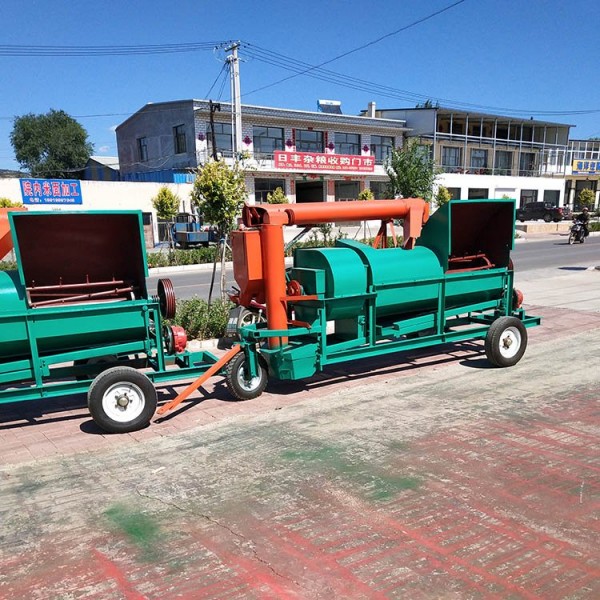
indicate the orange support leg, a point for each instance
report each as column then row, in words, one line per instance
column 198, row 382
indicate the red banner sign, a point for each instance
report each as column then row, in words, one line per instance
column 314, row 161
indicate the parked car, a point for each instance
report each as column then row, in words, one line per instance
column 540, row 210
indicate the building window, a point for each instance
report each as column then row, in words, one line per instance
column 347, row 143
column 478, row 159
column 267, row 139
column 528, row 196
column 552, row 197
column 347, row 190
column 179, row 140
column 262, row 187
column 142, row 146
column 503, row 162
column 478, row 193
column 527, row 164
column 309, row 141
column 381, row 147
column 451, row 157
column 380, row 190
column 454, row 193
column 223, row 138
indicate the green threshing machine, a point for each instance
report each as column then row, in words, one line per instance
column 76, row 315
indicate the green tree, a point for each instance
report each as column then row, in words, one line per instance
column 411, row 171
column 50, row 145
column 277, row 196
column 366, row 194
column 586, row 198
column 219, row 193
column 166, row 204
column 443, row 196
column 7, row 203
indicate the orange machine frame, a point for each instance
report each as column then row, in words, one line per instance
column 261, row 275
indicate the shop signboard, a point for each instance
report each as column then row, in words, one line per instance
column 51, row 191
column 314, row 161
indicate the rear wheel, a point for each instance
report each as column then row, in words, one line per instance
column 121, row 399
column 571, row 239
column 506, row 341
column 241, row 385
column 547, row 217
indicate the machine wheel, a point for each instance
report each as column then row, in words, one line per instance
column 121, row 399
column 248, row 317
column 571, row 239
column 505, row 342
column 239, row 384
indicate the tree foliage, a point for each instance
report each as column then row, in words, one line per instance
column 8, row 203
column 50, row 145
column 411, row 171
column 586, row 198
column 366, row 194
column 166, row 204
column 219, row 193
column 277, row 197
column 443, row 196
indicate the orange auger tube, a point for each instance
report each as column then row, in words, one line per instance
column 270, row 220
column 6, row 243
column 198, row 382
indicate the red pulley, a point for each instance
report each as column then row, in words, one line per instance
column 517, row 298
column 166, row 298
column 179, row 338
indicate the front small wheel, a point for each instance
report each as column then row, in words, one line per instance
column 571, row 239
column 122, row 399
column 239, row 382
column 547, row 218
column 506, row 341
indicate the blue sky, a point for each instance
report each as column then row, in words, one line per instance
column 531, row 56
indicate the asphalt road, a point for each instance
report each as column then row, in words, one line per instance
column 554, row 253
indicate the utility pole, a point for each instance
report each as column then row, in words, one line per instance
column 213, row 107
column 236, row 107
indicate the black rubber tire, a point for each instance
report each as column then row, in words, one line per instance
column 502, row 334
column 582, row 240
column 571, row 239
column 139, row 392
column 237, row 383
column 547, row 218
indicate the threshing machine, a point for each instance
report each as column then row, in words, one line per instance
column 452, row 280
column 76, row 316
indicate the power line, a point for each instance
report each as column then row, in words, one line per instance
column 362, row 47
column 74, row 51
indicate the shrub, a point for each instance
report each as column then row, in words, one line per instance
column 200, row 320
column 277, row 197
column 366, row 194
column 586, row 198
column 443, row 196
column 8, row 203
column 194, row 256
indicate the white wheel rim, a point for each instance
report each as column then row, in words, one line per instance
column 510, row 342
column 247, row 384
column 123, row 402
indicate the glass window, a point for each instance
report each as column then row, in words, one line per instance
column 451, row 157
column 142, row 144
column 478, row 158
column 454, row 192
column 223, row 137
column 381, row 147
column 309, row 141
column 528, row 196
column 380, row 190
column 263, row 186
column 179, row 141
column 503, row 162
column 478, row 193
column 527, row 164
column 347, row 190
column 552, row 196
column 347, row 143
column 267, row 139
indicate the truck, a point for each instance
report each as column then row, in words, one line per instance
column 189, row 230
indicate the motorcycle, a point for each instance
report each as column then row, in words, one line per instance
column 577, row 233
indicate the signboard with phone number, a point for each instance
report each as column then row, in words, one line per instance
column 51, row 191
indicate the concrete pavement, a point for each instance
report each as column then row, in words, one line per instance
column 431, row 477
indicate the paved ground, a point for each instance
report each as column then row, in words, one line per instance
column 434, row 478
